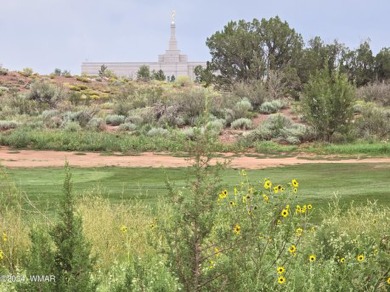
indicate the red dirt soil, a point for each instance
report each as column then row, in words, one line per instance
column 32, row 158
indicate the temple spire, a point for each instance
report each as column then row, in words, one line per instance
column 172, row 40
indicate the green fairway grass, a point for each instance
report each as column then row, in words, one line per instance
column 318, row 182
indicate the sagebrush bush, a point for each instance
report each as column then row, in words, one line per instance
column 216, row 126
column 21, row 104
column 189, row 133
column 373, row 122
column 115, row 120
column 377, row 92
column 280, row 128
column 242, row 108
column 7, row 125
column 270, row 107
column 96, row 124
column 45, row 93
column 242, row 123
column 255, row 92
column 127, row 127
column 159, row 132
column 70, row 126
column 140, row 116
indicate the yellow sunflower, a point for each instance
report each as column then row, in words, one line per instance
column 284, row 213
column 281, row 270
column 267, row 184
column 237, row 229
column 281, row 280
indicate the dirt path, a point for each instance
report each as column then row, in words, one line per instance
column 31, row 158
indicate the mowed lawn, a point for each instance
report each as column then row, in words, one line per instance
column 317, row 182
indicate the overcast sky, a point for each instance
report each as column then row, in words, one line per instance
column 49, row 34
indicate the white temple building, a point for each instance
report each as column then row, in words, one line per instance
column 171, row 63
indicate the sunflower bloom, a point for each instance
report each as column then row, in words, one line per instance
column 284, row 213
column 281, row 270
column 360, row 258
column 298, row 231
column 223, row 195
column 276, row 190
column 267, row 184
column 309, row 207
column 123, row 229
column 265, row 198
column 312, row 258
column 5, row 237
column 388, row 280
column 281, row 280
column 237, row 229
column 342, row 260
column 232, row 203
column 292, row 249
column 295, row 183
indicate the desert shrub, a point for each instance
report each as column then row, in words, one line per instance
column 216, row 126
column 147, row 274
column 377, row 92
column 169, row 115
column 115, row 120
column 242, row 123
column 146, row 115
column 21, row 104
column 3, row 90
column 26, row 72
column 189, row 133
column 47, row 114
column 373, row 122
column 351, row 253
column 82, row 117
column 3, row 71
column 161, row 132
column 228, row 116
column 134, row 119
column 254, row 91
column 70, row 126
column 96, row 124
column 191, row 102
column 270, row 107
column 280, row 128
column 182, row 81
column 53, row 122
column 127, row 127
column 45, row 93
column 7, row 125
column 242, row 108
column 327, row 103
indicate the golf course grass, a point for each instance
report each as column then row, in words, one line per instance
column 317, row 182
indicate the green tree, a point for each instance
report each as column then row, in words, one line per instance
column 203, row 75
column 72, row 262
column 359, row 64
column 143, row 73
column 159, row 75
column 327, row 103
column 236, row 53
column 382, row 64
column 64, row 254
column 281, row 45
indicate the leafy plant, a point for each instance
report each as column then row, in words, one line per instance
column 327, row 103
